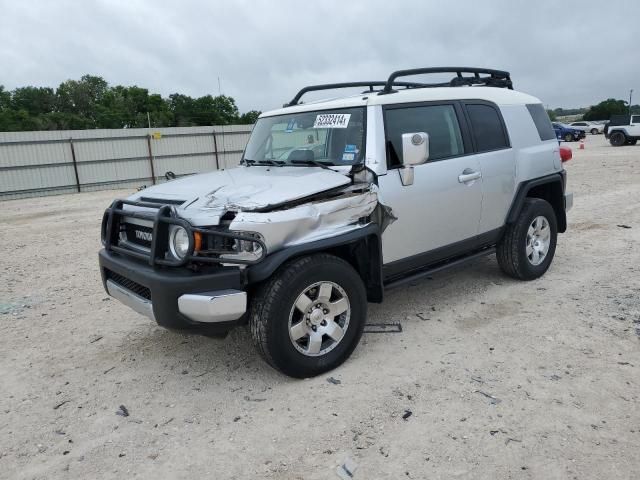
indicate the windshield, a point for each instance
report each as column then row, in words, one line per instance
column 325, row 137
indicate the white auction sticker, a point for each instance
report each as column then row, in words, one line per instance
column 332, row 120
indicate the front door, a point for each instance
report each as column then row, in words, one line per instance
column 443, row 205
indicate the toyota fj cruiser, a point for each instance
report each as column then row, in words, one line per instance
column 336, row 202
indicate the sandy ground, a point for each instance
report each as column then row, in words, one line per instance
column 503, row 379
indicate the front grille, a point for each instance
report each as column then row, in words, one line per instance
column 138, row 234
column 130, row 285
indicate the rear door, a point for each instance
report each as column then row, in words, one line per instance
column 441, row 209
column 497, row 162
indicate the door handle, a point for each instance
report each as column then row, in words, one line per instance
column 469, row 176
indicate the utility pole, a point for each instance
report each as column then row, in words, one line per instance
column 630, row 97
column 149, row 121
column 219, row 88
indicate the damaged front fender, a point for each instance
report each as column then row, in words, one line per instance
column 316, row 220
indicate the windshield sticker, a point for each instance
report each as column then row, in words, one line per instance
column 350, row 148
column 290, row 125
column 332, row 120
column 348, row 157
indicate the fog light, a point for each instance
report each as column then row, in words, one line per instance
column 179, row 242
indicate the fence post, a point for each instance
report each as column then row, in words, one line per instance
column 153, row 172
column 215, row 150
column 75, row 163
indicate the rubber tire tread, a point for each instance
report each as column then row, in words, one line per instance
column 267, row 307
column 510, row 250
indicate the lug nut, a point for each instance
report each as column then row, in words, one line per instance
column 314, row 328
column 323, row 323
column 325, row 311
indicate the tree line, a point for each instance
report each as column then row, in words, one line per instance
column 92, row 103
column 602, row 111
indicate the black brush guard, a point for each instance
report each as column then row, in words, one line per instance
column 164, row 217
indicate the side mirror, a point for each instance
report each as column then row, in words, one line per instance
column 415, row 151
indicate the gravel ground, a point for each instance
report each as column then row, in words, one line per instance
column 490, row 378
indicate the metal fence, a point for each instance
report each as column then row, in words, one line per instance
column 49, row 163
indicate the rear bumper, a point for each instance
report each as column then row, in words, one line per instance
column 177, row 299
column 568, row 201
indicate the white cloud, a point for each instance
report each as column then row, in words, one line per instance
column 264, row 51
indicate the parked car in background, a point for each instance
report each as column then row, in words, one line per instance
column 591, row 127
column 623, row 130
column 567, row 133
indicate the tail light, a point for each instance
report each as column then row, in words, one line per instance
column 565, row 154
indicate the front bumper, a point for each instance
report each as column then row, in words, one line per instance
column 177, row 299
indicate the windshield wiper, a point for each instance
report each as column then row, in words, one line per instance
column 275, row 163
column 316, row 163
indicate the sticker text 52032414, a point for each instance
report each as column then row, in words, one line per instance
column 332, row 120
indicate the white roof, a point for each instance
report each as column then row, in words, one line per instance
column 499, row 96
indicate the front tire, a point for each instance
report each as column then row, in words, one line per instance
column 309, row 316
column 594, row 131
column 528, row 245
column 617, row 139
column 568, row 137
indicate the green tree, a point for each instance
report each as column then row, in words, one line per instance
column 249, row 118
column 604, row 110
column 91, row 103
column 34, row 100
column 81, row 97
column 552, row 115
column 5, row 99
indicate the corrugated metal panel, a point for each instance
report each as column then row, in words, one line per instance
column 42, row 163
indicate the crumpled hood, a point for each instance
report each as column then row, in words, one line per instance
column 244, row 188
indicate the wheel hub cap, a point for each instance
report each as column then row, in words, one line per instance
column 316, row 316
column 538, row 240
column 319, row 318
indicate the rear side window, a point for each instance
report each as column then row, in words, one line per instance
column 487, row 127
column 635, row 119
column 541, row 119
column 439, row 121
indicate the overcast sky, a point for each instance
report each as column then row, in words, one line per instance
column 568, row 53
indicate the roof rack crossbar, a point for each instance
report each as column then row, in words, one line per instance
column 333, row 86
column 495, row 78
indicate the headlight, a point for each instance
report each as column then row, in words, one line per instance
column 179, row 242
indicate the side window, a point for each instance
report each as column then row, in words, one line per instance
column 439, row 121
column 541, row 119
column 635, row 119
column 487, row 128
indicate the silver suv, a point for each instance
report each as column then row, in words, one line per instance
column 336, row 202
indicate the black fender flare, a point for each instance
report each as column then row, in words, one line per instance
column 558, row 181
column 361, row 247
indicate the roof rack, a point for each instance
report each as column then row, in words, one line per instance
column 492, row 78
column 495, row 78
column 334, row 86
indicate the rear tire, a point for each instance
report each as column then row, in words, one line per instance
column 594, row 131
column 309, row 316
column 617, row 139
column 528, row 245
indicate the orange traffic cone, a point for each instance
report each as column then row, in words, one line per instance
column 581, row 147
